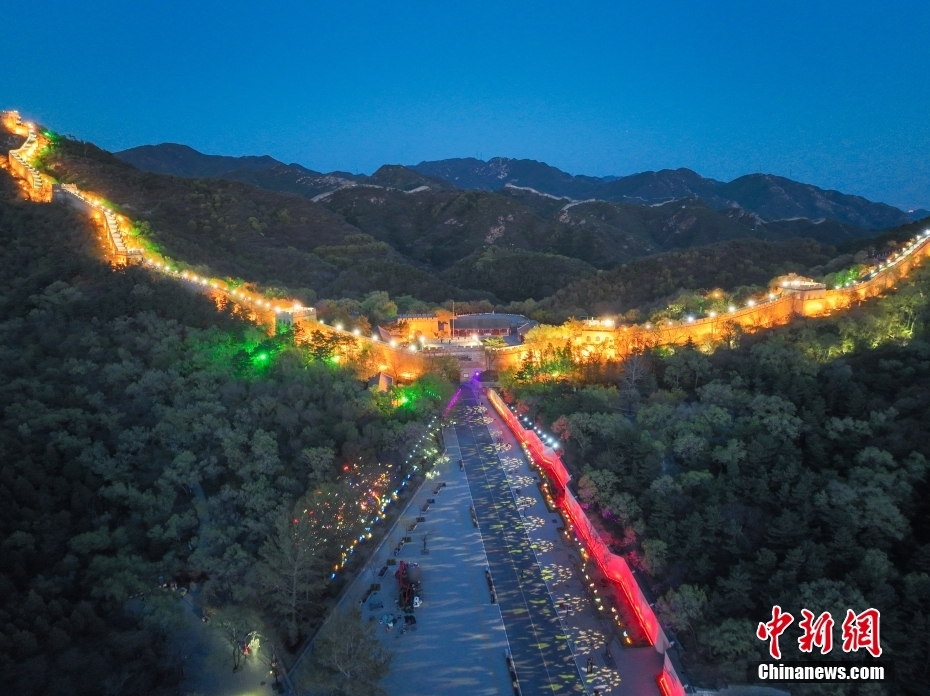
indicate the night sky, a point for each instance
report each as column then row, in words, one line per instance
column 832, row 93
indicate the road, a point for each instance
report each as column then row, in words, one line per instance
column 539, row 646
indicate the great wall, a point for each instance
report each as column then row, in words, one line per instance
column 778, row 307
column 404, row 362
column 407, row 360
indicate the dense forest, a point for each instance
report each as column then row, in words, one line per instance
column 790, row 468
column 148, row 440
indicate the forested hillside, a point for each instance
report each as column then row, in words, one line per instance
column 435, row 234
column 638, row 285
column 766, row 196
column 145, row 439
column 514, row 249
column 789, row 468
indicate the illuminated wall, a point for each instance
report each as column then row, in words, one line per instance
column 37, row 185
column 615, row 344
column 613, row 567
column 103, row 216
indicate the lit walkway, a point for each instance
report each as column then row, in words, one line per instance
column 617, row 671
column 459, row 645
column 539, row 645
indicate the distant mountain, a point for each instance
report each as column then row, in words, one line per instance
column 414, row 233
column 292, row 178
column 770, row 197
column 268, row 173
column 653, row 188
column 778, row 198
column 493, row 175
column 439, row 228
column 181, row 160
column 405, row 179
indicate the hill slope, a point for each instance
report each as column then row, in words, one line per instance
column 243, row 231
column 267, row 172
column 771, row 198
column 493, row 175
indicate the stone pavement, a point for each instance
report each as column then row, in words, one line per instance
column 541, row 654
column 459, row 642
column 617, row 671
column 458, row 645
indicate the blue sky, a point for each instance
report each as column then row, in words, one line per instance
column 833, row 93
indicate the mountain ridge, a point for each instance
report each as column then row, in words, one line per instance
column 771, row 197
column 414, row 234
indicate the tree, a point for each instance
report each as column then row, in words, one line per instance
column 635, row 369
column 730, row 333
column 733, row 640
column 491, row 354
column 654, row 556
column 596, row 486
column 290, row 573
column 377, row 306
column 682, row 608
column 350, row 657
column 320, row 461
column 234, row 624
column 270, row 658
column 686, row 368
column 325, row 345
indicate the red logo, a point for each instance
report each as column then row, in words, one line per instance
column 819, row 632
column 859, row 631
column 774, row 628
